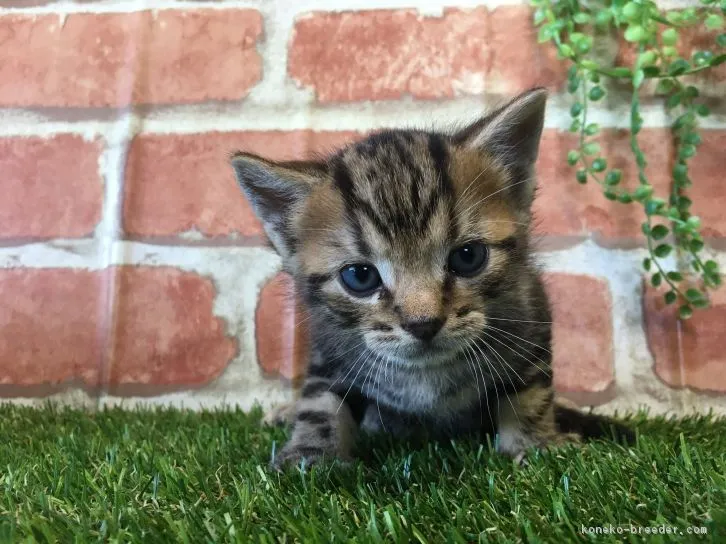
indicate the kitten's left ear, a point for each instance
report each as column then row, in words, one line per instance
column 512, row 133
column 277, row 192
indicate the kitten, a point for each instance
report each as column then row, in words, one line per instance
column 411, row 251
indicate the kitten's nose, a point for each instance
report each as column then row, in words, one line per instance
column 423, row 329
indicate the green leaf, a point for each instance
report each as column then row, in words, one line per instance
column 680, row 171
column 583, row 46
column 701, row 303
column 669, row 36
column 684, row 203
column 625, row 198
column 656, row 279
column 620, row 71
column 596, row 93
column 646, row 264
column 636, row 33
column 610, row 195
column 670, row 297
column 714, row 22
column 663, row 250
column 638, row 78
column 669, row 51
column 711, row 266
column 721, row 40
column 602, row 18
column 693, row 294
column 651, row 71
column 703, row 110
column 675, row 17
column 591, row 148
column 575, row 126
column 691, row 92
column 692, row 138
column 694, row 222
column 716, row 61
column 576, row 109
column 702, row 58
column 613, row 177
column 581, row 176
column 665, row 86
column 659, row 232
column 647, row 58
column 686, row 152
column 566, row 51
column 685, row 312
column 545, row 34
column 631, row 11
column 673, row 100
column 675, row 276
column 592, row 128
column 642, row 192
column 582, row 18
column 677, row 67
column 573, row 157
column 696, row 245
column 599, row 164
column 645, row 227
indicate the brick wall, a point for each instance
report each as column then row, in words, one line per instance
column 131, row 269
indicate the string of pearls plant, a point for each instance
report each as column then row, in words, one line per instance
column 669, row 226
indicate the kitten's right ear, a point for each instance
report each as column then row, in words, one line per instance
column 277, row 192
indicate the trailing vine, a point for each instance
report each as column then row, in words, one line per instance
column 674, row 241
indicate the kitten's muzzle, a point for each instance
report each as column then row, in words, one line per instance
column 423, row 329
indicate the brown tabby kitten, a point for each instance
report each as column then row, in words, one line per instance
column 411, row 251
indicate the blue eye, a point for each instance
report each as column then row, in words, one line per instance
column 469, row 259
column 361, row 280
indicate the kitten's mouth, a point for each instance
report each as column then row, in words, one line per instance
column 425, row 354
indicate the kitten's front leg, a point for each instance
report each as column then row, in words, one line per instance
column 527, row 419
column 323, row 427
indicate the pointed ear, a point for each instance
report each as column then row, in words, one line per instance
column 277, row 192
column 512, row 134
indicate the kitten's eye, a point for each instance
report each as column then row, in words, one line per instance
column 469, row 259
column 361, row 280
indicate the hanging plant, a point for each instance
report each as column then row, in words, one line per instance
column 575, row 27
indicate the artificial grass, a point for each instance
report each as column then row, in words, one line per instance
column 179, row 476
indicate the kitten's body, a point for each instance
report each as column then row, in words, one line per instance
column 411, row 252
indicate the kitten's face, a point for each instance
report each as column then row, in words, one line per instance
column 408, row 241
column 412, row 242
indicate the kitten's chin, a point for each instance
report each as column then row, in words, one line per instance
column 424, row 356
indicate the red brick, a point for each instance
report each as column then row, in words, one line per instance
column 386, row 54
column 565, row 208
column 517, row 61
column 165, row 331
column 280, row 330
column 707, row 192
column 52, row 326
column 114, row 59
column 687, row 353
column 583, row 362
column 178, row 182
column 51, row 187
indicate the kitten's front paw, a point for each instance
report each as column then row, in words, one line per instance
column 517, row 446
column 305, row 455
column 282, row 414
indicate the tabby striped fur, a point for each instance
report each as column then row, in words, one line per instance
column 402, row 201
